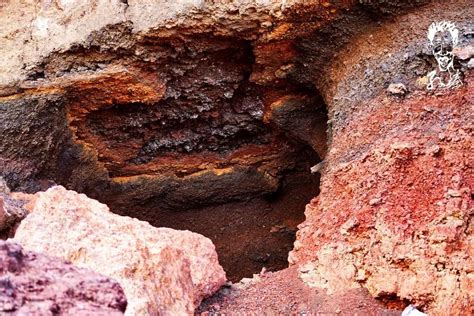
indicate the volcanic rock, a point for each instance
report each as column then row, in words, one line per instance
column 397, row 89
column 163, row 271
column 35, row 284
column 195, row 103
column 113, row 98
column 12, row 211
column 394, row 214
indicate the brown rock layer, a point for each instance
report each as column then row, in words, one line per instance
column 160, row 106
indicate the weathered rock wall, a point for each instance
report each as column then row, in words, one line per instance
column 394, row 214
column 158, row 102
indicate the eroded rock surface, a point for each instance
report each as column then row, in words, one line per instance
column 157, row 102
column 402, row 223
column 35, row 284
column 154, row 107
column 11, row 213
column 13, row 208
column 162, row 271
column 394, row 214
column 198, row 103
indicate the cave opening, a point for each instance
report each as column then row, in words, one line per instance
column 250, row 212
column 249, row 233
column 187, row 137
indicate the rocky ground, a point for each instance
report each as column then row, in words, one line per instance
column 283, row 293
column 225, row 119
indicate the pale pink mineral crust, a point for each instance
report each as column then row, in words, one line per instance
column 163, row 271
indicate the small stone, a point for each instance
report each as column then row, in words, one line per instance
column 361, row 275
column 464, row 53
column 397, row 89
column 4, row 187
column 277, row 228
column 283, row 71
column 435, row 150
column 421, row 82
column 317, row 168
column 266, row 24
column 375, row 201
column 470, row 64
column 348, row 226
column 228, row 94
column 297, row 245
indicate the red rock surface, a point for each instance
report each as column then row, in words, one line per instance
column 35, row 284
column 395, row 210
column 154, row 107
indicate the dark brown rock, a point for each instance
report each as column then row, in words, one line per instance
column 12, row 211
column 35, row 284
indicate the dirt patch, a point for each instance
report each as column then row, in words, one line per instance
column 250, row 234
column 283, row 293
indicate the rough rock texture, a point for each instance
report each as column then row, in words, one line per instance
column 283, row 293
column 153, row 107
column 11, row 213
column 154, row 99
column 394, row 214
column 403, row 225
column 35, row 284
column 162, row 271
column 13, row 208
column 194, row 103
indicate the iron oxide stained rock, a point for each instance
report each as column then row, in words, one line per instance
column 117, row 97
column 14, row 206
column 35, row 284
column 394, row 214
column 162, row 271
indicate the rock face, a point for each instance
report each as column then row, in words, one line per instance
column 394, row 214
column 172, row 106
column 402, row 223
column 35, row 284
column 201, row 102
column 154, row 98
column 162, row 271
column 13, row 208
column 11, row 213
